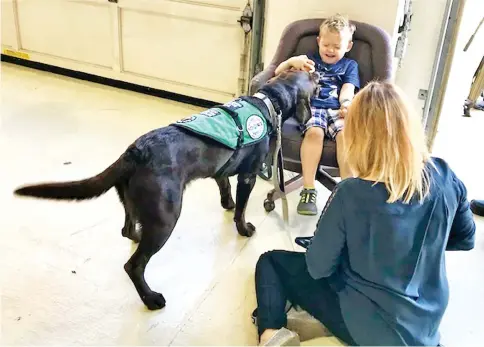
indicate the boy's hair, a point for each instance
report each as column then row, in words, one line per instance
column 384, row 140
column 338, row 24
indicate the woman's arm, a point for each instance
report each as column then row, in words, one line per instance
column 462, row 232
column 323, row 255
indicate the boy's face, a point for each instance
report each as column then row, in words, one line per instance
column 333, row 45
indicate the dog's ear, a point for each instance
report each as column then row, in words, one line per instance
column 303, row 107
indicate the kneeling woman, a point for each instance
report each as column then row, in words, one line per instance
column 374, row 273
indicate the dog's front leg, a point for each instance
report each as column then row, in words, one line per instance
column 245, row 183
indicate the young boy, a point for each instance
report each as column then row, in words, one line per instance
column 338, row 84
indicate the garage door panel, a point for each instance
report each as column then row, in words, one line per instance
column 8, row 24
column 183, row 6
column 194, row 43
column 74, row 29
column 192, row 52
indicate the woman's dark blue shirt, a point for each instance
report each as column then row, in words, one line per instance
column 387, row 260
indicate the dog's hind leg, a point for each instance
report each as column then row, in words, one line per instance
column 158, row 211
column 225, row 193
column 129, row 228
column 153, row 238
column 245, row 183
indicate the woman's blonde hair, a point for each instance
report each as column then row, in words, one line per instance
column 384, row 141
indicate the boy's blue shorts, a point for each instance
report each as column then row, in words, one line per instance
column 327, row 119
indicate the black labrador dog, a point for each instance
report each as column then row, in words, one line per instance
column 151, row 175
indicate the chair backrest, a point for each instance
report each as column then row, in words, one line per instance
column 371, row 47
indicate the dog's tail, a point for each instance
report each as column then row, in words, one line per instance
column 84, row 189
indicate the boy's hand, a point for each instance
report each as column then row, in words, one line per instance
column 344, row 108
column 302, row 62
column 345, row 96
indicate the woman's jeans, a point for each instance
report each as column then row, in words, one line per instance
column 282, row 276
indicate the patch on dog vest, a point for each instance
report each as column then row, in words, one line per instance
column 236, row 123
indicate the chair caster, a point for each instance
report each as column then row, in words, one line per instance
column 269, row 205
column 467, row 108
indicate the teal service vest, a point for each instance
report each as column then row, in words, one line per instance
column 219, row 125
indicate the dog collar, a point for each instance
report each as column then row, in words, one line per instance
column 270, row 106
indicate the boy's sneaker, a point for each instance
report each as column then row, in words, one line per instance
column 477, row 207
column 307, row 203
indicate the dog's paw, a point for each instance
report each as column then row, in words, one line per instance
column 154, row 301
column 246, row 229
column 228, row 204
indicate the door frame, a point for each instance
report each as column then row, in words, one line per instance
column 441, row 68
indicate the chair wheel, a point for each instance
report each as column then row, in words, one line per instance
column 269, row 205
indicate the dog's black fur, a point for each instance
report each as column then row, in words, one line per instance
column 151, row 175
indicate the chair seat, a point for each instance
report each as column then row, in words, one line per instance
column 291, row 146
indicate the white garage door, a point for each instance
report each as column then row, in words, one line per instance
column 190, row 47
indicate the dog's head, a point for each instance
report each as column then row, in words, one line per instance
column 293, row 90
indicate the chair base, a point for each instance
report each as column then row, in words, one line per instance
column 295, row 183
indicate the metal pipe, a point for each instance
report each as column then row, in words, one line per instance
column 258, row 21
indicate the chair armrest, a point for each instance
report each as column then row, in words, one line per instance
column 261, row 78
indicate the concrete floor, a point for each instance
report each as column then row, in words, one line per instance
column 63, row 281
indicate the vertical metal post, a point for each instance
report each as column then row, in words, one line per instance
column 252, row 23
column 257, row 38
column 440, row 71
